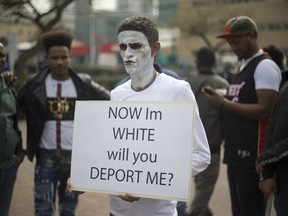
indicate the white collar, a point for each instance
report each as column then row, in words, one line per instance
column 246, row 61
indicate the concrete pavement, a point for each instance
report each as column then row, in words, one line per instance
column 96, row 204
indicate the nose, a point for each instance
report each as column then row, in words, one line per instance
column 128, row 53
column 59, row 61
column 233, row 46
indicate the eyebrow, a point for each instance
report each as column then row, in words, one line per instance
column 131, row 43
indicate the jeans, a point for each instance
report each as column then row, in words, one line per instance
column 181, row 209
column 246, row 198
column 281, row 204
column 7, row 181
column 46, row 185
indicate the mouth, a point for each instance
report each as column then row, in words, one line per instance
column 59, row 68
column 128, row 63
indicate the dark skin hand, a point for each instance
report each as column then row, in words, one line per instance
column 18, row 161
column 69, row 187
column 215, row 98
column 268, row 186
column 9, row 77
column 258, row 111
column 128, row 197
column 258, row 168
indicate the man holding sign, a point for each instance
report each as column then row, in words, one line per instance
column 138, row 41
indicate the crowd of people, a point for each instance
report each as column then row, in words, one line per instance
column 244, row 112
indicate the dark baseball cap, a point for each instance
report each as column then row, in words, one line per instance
column 238, row 26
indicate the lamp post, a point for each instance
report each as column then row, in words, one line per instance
column 92, row 39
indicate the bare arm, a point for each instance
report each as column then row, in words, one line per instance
column 260, row 110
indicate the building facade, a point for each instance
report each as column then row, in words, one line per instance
column 270, row 16
column 95, row 27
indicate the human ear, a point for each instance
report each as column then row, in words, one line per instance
column 251, row 35
column 155, row 48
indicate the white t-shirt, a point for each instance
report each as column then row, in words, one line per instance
column 164, row 88
column 48, row 138
column 267, row 74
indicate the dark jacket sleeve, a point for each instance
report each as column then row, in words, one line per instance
column 276, row 143
column 19, row 151
column 274, row 154
column 97, row 91
column 102, row 92
column 21, row 91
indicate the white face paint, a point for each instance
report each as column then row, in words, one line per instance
column 136, row 53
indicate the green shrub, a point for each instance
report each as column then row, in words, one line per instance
column 106, row 76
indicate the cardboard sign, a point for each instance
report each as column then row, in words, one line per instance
column 141, row 148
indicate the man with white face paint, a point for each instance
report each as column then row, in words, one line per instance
column 138, row 40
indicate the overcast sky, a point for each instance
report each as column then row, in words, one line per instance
column 43, row 5
column 104, row 4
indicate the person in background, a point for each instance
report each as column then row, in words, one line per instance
column 246, row 110
column 11, row 150
column 227, row 71
column 272, row 164
column 211, row 118
column 138, row 40
column 285, row 70
column 48, row 99
column 278, row 57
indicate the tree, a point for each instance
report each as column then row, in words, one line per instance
column 45, row 22
column 202, row 21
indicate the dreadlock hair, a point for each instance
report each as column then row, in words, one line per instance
column 141, row 24
column 56, row 38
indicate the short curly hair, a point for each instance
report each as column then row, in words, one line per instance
column 56, row 38
column 142, row 24
column 276, row 54
column 206, row 56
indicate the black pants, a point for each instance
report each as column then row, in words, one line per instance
column 246, row 197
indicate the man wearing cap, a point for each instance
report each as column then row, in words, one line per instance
column 246, row 110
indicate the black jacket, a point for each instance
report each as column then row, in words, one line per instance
column 275, row 155
column 32, row 97
column 8, row 148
